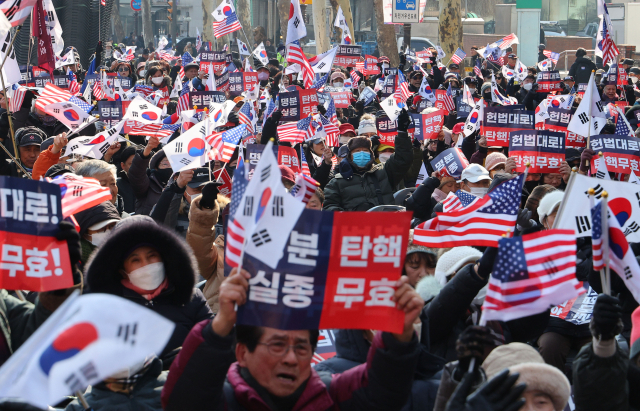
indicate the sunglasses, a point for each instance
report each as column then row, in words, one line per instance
column 122, row 70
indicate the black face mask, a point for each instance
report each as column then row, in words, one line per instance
column 273, row 71
column 263, row 83
column 530, row 185
column 163, row 175
column 231, row 170
column 486, row 96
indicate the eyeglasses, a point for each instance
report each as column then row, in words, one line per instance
column 122, row 69
column 280, row 349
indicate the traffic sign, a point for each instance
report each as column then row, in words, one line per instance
column 136, row 5
column 405, row 11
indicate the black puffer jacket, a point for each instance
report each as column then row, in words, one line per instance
column 581, row 69
column 179, row 302
column 145, row 181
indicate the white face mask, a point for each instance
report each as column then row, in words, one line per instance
column 98, row 238
column 383, row 157
column 338, row 84
column 385, row 66
column 148, row 277
column 479, row 191
column 141, row 73
column 344, row 139
column 634, row 80
column 527, row 86
column 263, row 76
column 157, row 80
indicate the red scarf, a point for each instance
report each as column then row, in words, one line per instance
column 148, row 294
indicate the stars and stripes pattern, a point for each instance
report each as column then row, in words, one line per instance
column 451, row 203
column 596, row 237
column 294, row 132
column 156, row 130
column 448, row 102
column 506, row 41
column 623, row 128
column 554, row 57
column 477, row 69
column 402, row 92
column 331, row 125
column 16, row 100
column 247, row 114
column 304, row 188
column 532, row 273
column 458, row 56
column 354, row 76
column 98, row 92
column 319, row 85
column 223, row 144
column 605, row 43
column 482, row 223
column 52, row 94
column 183, row 100
column 186, row 59
column 235, row 232
column 304, row 166
column 79, row 193
column 74, row 87
column 226, row 26
column 166, row 56
column 295, row 55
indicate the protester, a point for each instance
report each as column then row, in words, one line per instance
column 105, row 173
column 124, row 185
column 28, row 140
column 148, row 176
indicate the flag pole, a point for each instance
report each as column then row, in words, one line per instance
column 606, row 286
column 220, row 176
column 15, row 146
column 82, row 400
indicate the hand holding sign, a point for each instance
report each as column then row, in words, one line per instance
column 409, row 301
column 233, row 293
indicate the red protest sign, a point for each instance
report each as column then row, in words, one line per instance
column 347, row 55
column 372, row 65
column 440, row 95
column 621, row 153
column 342, row 99
column 34, row 263
column 217, row 58
column 366, row 260
column 544, row 150
column 287, row 156
column 558, row 121
column 500, row 121
column 249, row 80
column 225, row 188
column 427, row 126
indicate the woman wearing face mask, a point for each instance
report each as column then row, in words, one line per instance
column 319, row 159
column 263, row 75
column 156, row 78
column 362, row 183
column 150, row 265
column 124, row 70
column 475, row 180
column 149, row 175
column 95, row 224
column 384, row 152
column 337, row 79
column 140, row 71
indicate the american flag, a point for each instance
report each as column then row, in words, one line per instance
column 304, row 188
column 98, row 92
column 458, row 56
column 224, row 144
column 477, row 69
column 235, row 232
column 330, row 124
column 532, row 273
column 183, row 100
column 304, row 166
column 623, row 128
column 605, row 43
column 458, row 200
column 554, row 57
column 483, row 223
column 80, row 193
column 166, row 56
column 53, row 94
column 294, row 132
column 402, row 92
column 354, row 76
column 226, row 26
column 156, row 130
column 74, row 87
column 186, row 59
column 247, row 114
column 596, row 237
column 16, row 100
column 295, row 55
column 506, row 41
column 321, row 81
column 449, row 104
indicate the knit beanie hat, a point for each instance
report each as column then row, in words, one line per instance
column 367, row 126
column 635, row 334
column 453, row 260
column 509, row 355
column 484, row 87
column 548, row 204
column 493, row 160
column 546, row 379
column 359, row 142
column 428, row 287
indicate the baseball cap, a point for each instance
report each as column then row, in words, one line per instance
column 102, row 224
column 346, row 128
column 343, row 151
column 200, row 177
column 512, row 56
column 568, row 78
column 58, row 170
column 454, row 66
column 458, row 128
column 30, row 139
column 474, row 173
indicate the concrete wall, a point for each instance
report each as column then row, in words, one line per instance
column 506, row 19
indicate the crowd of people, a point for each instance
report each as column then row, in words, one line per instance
column 160, row 242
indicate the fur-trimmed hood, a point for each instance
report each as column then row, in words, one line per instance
column 103, row 269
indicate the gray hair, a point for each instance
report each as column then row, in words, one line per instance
column 89, row 168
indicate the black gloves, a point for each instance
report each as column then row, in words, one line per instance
column 585, row 157
column 486, row 262
column 276, row 115
column 524, row 218
column 534, row 87
column 321, row 109
column 404, row 121
column 606, row 322
column 209, row 195
column 498, row 394
column 473, row 342
column 233, row 118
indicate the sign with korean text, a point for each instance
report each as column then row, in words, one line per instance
column 389, row 87
column 217, row 58
column 427, row 126
column 347, row 55
column 543, row 149
column 202, row 99
column 58, row 80
column 367, row 95
column 372, row 65
column 110, row 112
column 463, row 109
column 450, row 162
column 558, row 120
column 30, row 256
column 339, row 271
column 579, row 310
column 440, row 96
column 405, row 11
column 288, row 156
column 222, row 81
column 342, row 99
column 500, row 121
column 225, row 188
column 621, row 153
column 387, row 130
column 241, row 82
column 549, row 81
column 296, row 105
